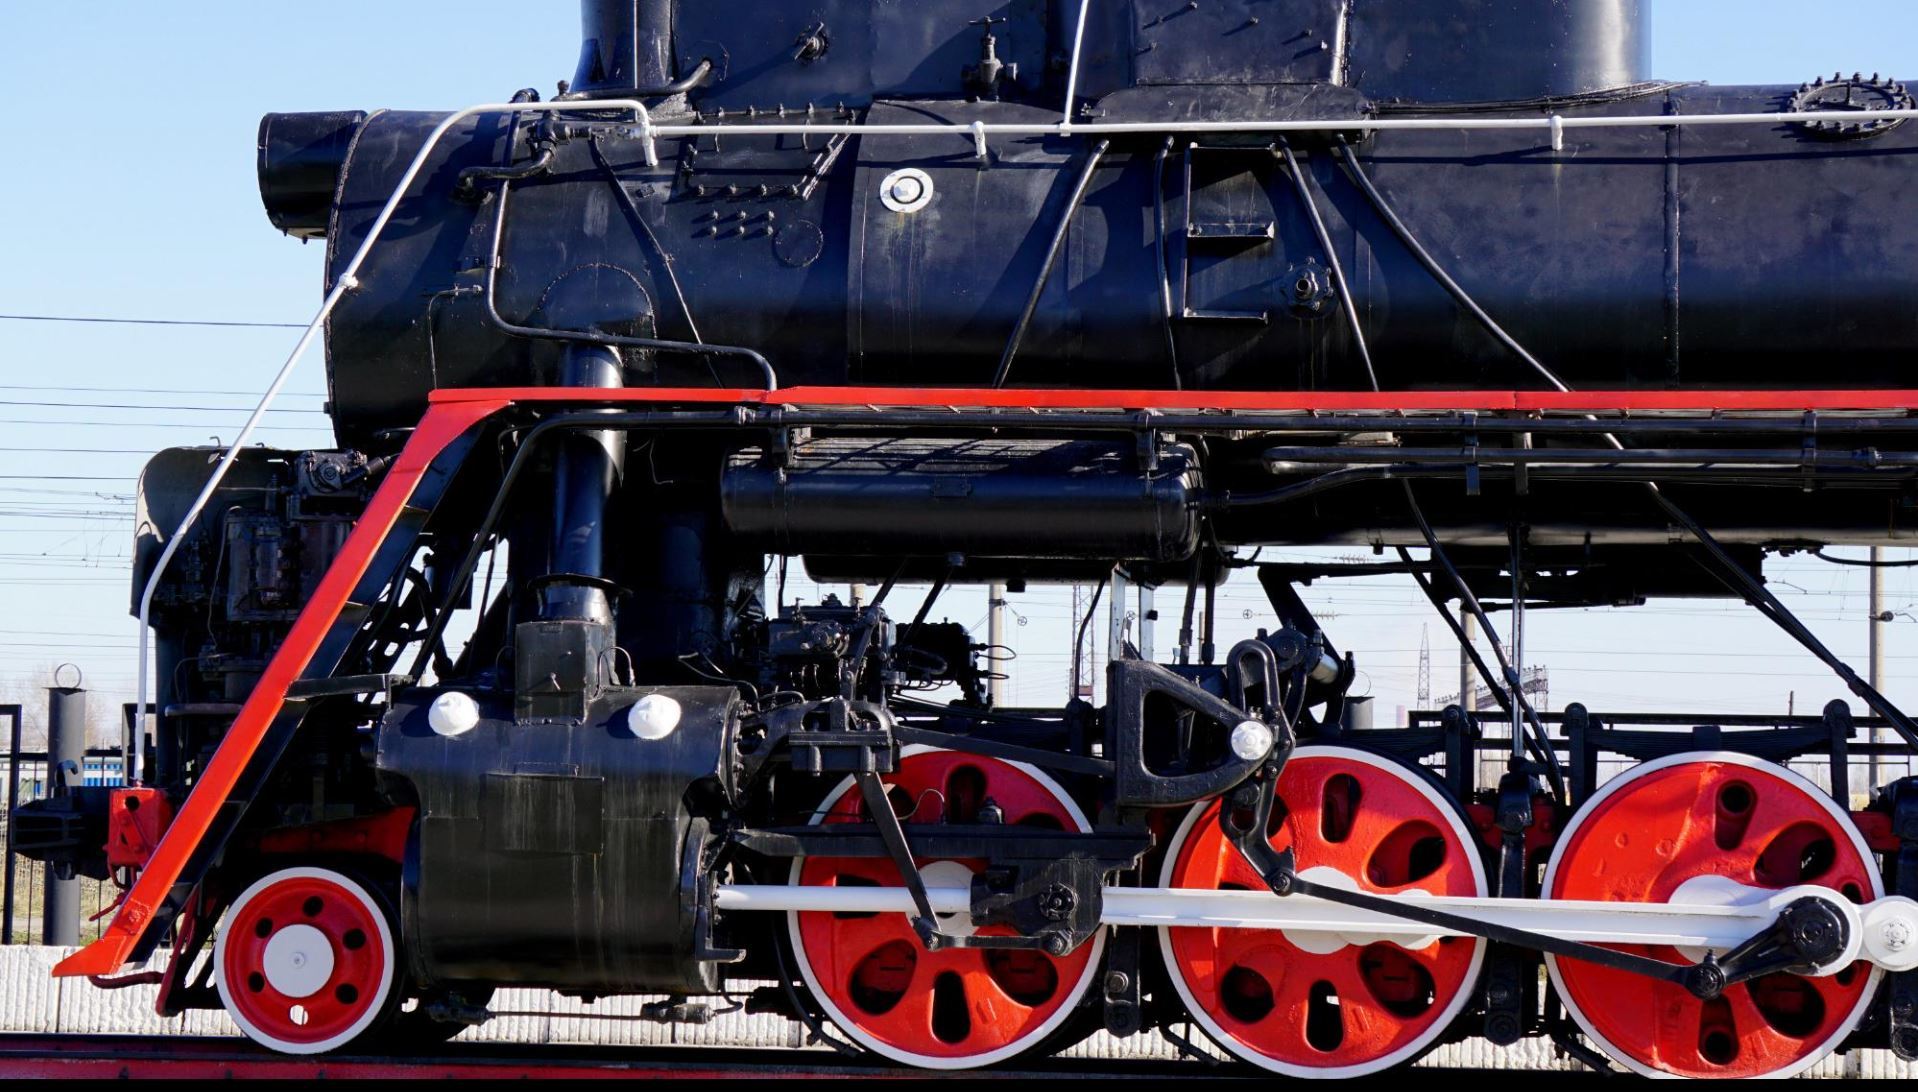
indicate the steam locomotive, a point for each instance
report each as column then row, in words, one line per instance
column 506, row 688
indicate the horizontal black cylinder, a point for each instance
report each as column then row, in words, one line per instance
column 300, row 160
column 555, row 857
column 981, row 498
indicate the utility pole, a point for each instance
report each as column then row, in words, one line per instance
column 996, row 644
column 66, row 762
column 1148, row 614
column 1877, row 646
column 1072, row 634
column 1116, row 617
column 1467, row 685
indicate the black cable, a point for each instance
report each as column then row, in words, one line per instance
column 1052, row 256
column 1513, row 681
column 801, row 1012
column 1435, row 270
column 1078, row 642
column 1860, row 563
column 1540, row 743
column 1191, row 605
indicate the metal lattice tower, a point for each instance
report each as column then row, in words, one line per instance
column 1425, row 667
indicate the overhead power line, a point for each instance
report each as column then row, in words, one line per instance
column 97, row 389
column 136, row 406
column 114, row 321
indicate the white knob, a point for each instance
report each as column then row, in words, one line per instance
column 453, row 714
column 1251, row 740
column 653, row 717
column 907, row 189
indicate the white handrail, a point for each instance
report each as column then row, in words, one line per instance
column 348, row 280
column 1072, row 72
column 1552, row 123
column 649, row 132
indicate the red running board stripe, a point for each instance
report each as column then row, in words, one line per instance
column 441, row 425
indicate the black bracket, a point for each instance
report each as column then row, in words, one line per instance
column 1130, row 683
column 836, row 735
column 699, row 883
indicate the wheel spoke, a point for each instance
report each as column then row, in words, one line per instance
column 1297, row 1011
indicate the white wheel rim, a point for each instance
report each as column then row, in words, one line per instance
column 1785, row 773
column 387, row 966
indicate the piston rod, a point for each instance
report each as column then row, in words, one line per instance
column 1709, row 913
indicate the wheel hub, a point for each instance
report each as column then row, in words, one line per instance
column 298, row 960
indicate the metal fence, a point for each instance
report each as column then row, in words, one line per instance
column 28, row 777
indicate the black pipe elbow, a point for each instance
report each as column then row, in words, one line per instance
column 301, row 156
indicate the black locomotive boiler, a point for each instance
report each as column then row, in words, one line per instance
column 505, row 689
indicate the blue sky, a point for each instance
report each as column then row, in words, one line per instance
column 130, row 192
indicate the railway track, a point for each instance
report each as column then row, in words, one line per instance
column 127, row 1057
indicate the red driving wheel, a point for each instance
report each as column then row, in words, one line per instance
column 1658, row 825
column 1323, row 1005
column 958, row 1007
column 305, row 961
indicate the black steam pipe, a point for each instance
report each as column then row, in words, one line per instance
column 493, row 315
column 1729, row 458
column 584, row 474
column 469, row 563
column 700, row 76
column 469, row 179
column 1052, row 256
